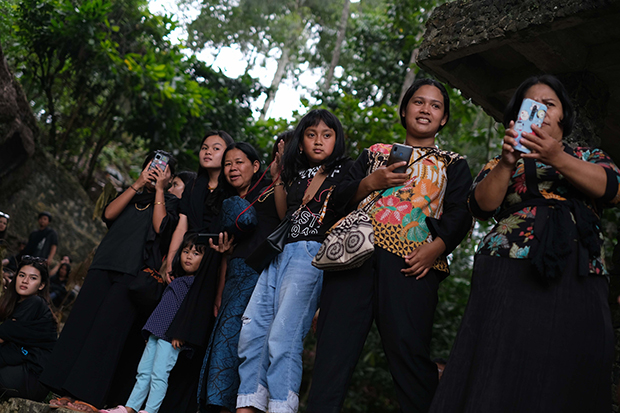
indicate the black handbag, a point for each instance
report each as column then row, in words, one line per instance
column 146, row 289
column 274, row 244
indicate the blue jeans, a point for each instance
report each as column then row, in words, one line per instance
column 158, row 359
column 275, row 323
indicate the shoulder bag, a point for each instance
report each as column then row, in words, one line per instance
column 274, row 244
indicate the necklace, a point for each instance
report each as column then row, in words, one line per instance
column 211, row 189
column 142, row 209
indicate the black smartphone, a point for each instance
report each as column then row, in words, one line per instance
column 400, row 153
column 204, row 239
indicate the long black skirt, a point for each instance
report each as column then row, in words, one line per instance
column 530, row 345
column 97, row 354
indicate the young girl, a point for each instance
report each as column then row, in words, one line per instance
column 28, row 331
column 161, row 352
column 420, row 216
column 286, row 296
column 219, row 379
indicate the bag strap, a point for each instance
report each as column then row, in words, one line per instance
column 314, row 186
column 380, row 194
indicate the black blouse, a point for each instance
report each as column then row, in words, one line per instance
column 318, row 216
column 130, row 244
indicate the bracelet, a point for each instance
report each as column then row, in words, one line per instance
column 131, row 186
column 160, row 203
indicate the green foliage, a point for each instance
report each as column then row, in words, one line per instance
column 101, row 71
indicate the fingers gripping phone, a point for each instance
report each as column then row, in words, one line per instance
column 203, row 239
column 159, row 161
column 400, row 153
column 531, row 112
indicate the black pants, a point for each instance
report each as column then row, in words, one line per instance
column 403, row 309
column 18, row 381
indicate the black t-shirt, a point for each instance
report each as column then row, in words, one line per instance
column 40, row 242
column 268, row 220
column 319, row 215
column 123, row 247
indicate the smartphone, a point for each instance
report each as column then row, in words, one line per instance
column 203, row 239
column 531, row 112
column 159, row 161
column 400, row 153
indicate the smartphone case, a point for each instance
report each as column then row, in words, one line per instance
column 531, row 112
column 400, row 153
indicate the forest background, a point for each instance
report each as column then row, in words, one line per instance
column 107, row 84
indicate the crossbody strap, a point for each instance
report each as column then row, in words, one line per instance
column 369, row 205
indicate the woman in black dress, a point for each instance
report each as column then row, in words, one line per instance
column 198, row 212
column 98, row 351
column 536, row 335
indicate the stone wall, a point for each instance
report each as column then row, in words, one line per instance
column 40, row 184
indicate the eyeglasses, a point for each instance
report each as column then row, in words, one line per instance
column 2, row 214
column 29, row 259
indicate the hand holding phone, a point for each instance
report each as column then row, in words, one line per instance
column 400, row 153
column 531, row 112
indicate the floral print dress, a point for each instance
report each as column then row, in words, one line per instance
column 516, row 233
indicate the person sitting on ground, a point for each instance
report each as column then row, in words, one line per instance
column 12, row 261
column 65, row 260
column 58, row 284
column 28, row 331
column 4, row 223
column 43, row 241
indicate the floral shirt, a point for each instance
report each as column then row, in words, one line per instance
column 514, row 235
column 432, row 203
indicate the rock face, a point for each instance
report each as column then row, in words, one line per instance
column 18, row 128
column 40, row 184
column 16, row 405
column 31, row 181
column 487, row 48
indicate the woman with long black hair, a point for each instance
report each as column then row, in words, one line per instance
column 100, row 346
column 198, row 212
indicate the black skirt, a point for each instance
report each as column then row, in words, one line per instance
column 530, row 345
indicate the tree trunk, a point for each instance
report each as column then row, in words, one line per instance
column 277, row 79
column 101, row 143
column 410, row 76
column 338, row 47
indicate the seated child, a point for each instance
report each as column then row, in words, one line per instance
column 161, row 352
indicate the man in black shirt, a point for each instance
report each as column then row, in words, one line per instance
column 42, row 242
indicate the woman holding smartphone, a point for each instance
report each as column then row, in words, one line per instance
column 419, row 217
column 537, row 334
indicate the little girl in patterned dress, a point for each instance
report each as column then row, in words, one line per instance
column 161, row 352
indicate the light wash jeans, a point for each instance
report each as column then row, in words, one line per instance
column 157, row 361
column 275, row 323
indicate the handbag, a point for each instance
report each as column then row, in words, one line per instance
column 349, row 243
column 351, row 240
column 146, row 290
column 237, row 216
column 274, row 244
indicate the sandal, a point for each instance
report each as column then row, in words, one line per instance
column 60, row 402
column 79, row 406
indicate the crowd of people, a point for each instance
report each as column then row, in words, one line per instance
column 175, row 314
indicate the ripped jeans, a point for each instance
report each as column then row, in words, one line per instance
column 275, row 323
